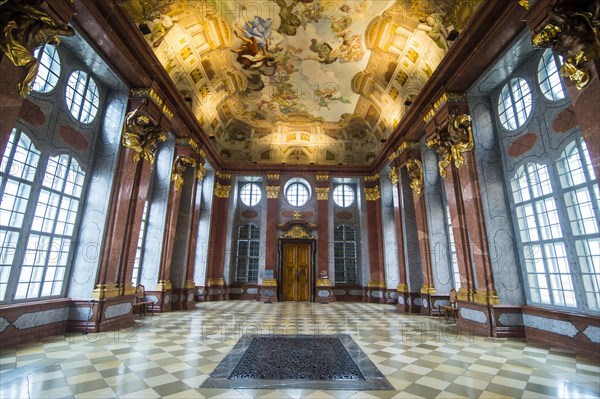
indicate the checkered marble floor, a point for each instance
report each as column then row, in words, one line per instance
column 170, row 355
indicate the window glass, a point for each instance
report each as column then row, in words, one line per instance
column 297, row 194
column 345, row 256
column 549, row 77
column 248, row 251
column 48, row 69
column 250, row 194
column 514, row 103
column 343, row 195
column 82, row 96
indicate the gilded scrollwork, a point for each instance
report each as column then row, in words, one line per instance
column 222, row 191
column 272, row 192
column 373, row 193
column 322, row 193
column 180, row 165
column 141, row 134
column 452, row 141
column 414, row 168
column 575, row 35
column 297, row 232
column 461, row 136
column 394, row 177
column 25, row 27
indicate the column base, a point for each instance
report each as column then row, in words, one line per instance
column 215, row 290
column 375, row 292
column 474, row 318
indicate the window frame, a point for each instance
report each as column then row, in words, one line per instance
column 502, row 113
column 259, row 194
column 344, row 258
column 70, row 103
column 568, row 239
column 54, row 60
column 247, row 256
column 343, row 186
column 547, row 56
column 25, row 234
column 297, row 183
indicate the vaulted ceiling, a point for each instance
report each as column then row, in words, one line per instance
column 300, row 81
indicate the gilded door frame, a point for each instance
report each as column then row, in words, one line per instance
column 282, row 242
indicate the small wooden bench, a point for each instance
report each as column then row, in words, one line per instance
column 140, row 306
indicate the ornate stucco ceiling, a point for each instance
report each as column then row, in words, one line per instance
column 300, row 81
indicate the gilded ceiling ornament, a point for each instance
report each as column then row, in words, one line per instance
column 141, row 134
column 323, row 177
column 297, row 232
column 272, row 192
column 180, row 165
column 322, row 193
column 393, row 156
column 373, row 193
column 222, row 191
column 200, row 172
column 26, row 27
column 273, row 176
column 222, row 175
column 408, row 145
column 573, row 33
column 414, row 167
column 375, row 177
column 394, row 177
column 443, row 99
column 461, row 136
column 153, row 95
column 297, row 215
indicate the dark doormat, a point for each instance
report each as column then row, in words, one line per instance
column 297, row 361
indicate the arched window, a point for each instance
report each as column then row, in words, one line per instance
column 250, row 194
column 582, row 202
column 48, row 69
column 343, row 195
column 82, row 96
column 39, row 238
column 17, row 173
column 248, row 249
column 514, row 104
column 543, row 247
column 135, row 277
column 345, row 256
column 549, row 78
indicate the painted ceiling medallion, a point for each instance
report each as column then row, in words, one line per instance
column 300, row 81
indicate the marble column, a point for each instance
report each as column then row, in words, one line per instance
column 574, row 39
column 189, row 285
column 268, row 287
column 215, row 279
column 184, row 159
column 411, row 160
column 323, row 287
column 376, row 288
column 402, row 288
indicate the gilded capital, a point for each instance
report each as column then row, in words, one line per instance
column 25, row 27
column 373, row 193
column 273, row 192
column 322, row 193
column 322, row 177
column 222, row 191
column 222, row 175
column 414, row 167
column 180, row 165
column 142, row 134
column 273, row 176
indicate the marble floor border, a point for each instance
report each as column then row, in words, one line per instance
column 374, row 379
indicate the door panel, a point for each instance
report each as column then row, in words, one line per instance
column 296, row 272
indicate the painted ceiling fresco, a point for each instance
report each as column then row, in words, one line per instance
column 300, row 81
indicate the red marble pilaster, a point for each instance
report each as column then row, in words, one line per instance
column 377, row 286
column 461, row 237
column 323, row 286
column 215, row 280
column 268, row 288
column 471, row 200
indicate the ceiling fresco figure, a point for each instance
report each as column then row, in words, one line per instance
column 340, row 72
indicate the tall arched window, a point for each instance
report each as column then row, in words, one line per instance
column 248, row 250
column 557, row 211
column 345, row 256
column 39, row 218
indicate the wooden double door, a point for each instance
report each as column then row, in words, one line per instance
column 296, row 274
